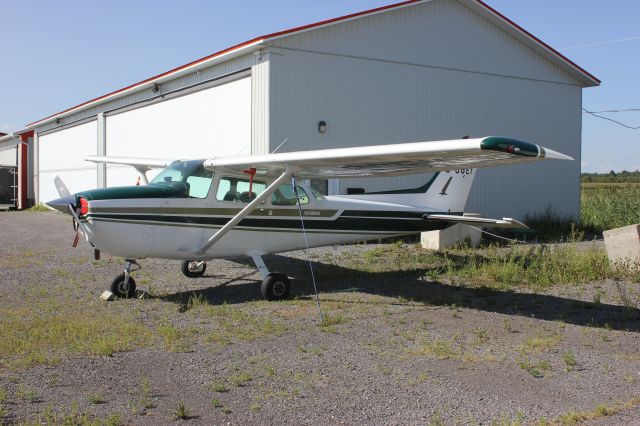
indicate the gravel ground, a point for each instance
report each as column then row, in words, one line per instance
column 397, row 348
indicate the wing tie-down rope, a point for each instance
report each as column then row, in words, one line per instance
column 306, row 243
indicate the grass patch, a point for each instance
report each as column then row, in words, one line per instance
column 232, row 323
column 602, row 410
column 240, row 379
column 96, row 398
column 439, row 348
column 536, row 369
column 539, row 344
column 174, row 340
column 42, row 333
column 39, row 208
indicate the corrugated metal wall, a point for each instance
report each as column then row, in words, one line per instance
column 431, row 71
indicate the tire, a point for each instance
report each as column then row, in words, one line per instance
column 276, row 287
column 119, row 290
column 192, row 273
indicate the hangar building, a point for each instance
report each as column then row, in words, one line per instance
column 414, row 71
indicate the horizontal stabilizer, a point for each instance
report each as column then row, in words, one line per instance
column 139, row 163
column 506, row 222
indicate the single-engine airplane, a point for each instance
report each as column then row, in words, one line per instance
column 199, row 210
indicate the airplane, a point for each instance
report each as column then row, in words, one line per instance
column 227, row 207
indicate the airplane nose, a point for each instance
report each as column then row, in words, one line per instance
column 62, row 204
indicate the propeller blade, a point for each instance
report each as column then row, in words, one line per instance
column 63, row 191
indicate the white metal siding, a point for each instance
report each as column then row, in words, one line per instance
column 8, row 154
column 440, row 72
column 210, row 122
column 62, row 154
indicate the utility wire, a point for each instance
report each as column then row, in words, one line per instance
column 602, row 43
column 611, row 119
column 615, row 110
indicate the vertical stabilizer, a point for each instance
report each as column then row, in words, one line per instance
column 450, row 190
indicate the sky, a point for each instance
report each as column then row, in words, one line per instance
column 57, row 54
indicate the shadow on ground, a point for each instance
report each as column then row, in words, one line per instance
column 411, row 285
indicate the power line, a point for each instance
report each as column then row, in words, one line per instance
column 614, row 110
column 611, row 119
column 601, row 43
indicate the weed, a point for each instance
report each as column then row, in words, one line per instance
column 219, row 387
column 535, row 369
column 38, row 208
column 3, row 411
column 96, row 398
column 239, row 379
column 181, row 412
column 3, row 395
column 481, row 335
column 539, row 344
column 441, row 349
column 436, row 419
column 215, row 403
column 570, row 360
column 255, row 407
column 225, row 409
column 146, row 400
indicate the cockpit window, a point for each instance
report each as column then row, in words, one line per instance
column 190, row 176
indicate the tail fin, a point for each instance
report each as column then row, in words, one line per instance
column 449, row 191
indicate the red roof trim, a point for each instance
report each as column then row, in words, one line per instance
column 545, row 45
column 309, row 26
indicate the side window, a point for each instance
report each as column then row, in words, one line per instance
column 237, row 189
column 284, row 196
column 199, row 186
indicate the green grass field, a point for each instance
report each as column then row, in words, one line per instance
column 609, row 205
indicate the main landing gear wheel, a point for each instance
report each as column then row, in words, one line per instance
column 193, row 268
column 276, row 286
column 122, row 290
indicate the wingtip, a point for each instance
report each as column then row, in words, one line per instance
column 550, row 153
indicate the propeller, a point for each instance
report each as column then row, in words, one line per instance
column 65, row 203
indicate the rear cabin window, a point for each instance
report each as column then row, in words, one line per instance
column 284, row 196
column 237, row 189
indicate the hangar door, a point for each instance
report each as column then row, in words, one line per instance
column 215, row 121
column 62, row 153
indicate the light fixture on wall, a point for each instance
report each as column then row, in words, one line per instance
column 322, row 126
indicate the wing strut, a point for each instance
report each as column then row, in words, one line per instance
column 245, row 211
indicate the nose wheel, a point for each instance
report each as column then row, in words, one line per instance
column 124, row 286
column 193, row 268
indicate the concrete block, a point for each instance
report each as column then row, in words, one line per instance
column 107, row 296
column 437, row 240
column 623, row 245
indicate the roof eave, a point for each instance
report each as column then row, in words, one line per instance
column 573, row 69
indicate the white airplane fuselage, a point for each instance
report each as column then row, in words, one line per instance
column 173, row 228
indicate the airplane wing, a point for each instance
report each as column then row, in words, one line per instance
column 140, row 164
column 391, row 160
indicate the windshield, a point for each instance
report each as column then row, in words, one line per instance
column 191, row 176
